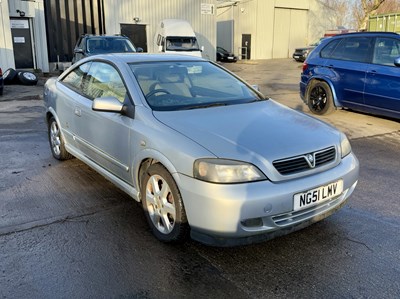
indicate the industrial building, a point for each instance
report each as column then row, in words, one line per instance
column 41, row 34
column 266, row 29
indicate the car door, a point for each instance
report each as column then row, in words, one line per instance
column 104, row 137
column 382, row 87
column 349, row 62
column 69, row 94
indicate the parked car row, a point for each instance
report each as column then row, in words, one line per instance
column 360, row 71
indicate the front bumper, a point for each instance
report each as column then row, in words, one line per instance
column 226, row 215
column 299, row 57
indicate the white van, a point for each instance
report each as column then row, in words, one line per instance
column 176, row 37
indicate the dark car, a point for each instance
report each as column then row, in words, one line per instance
column 300, row 54
column 1, row 82
column 360, row 71
column 225, row 56
column 88, row 45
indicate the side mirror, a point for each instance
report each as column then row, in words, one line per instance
column 78, row 50
column 160, row 49
column 397, row 62
column 256, row 87
column 139, row 50
column 202, row 48
column 107, row 104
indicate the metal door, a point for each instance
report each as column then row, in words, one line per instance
column 22, row 43
column 246, row 46
column 136, row 33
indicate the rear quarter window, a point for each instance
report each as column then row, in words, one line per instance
column 328, row 49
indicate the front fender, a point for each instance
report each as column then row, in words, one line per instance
column 150, row 154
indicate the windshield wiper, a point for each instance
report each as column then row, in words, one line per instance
column 204, row 106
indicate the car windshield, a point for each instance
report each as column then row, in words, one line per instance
column 181, row 43
column 169, row 86
column 101, row 45
column 317, row 42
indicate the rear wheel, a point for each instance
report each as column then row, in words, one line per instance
column 320, row 99
column 163, row 205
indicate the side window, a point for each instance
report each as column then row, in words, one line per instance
column 327, row 50
column 386, row 50
column 104, row 81
column 77, row 78
column 354, row 49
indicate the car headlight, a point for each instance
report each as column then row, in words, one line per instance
column 344, row 145
column 226, row 171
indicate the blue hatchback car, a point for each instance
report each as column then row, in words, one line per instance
column 360, row 71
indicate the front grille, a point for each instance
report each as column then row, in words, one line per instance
column 305, row 162
column 294, row 217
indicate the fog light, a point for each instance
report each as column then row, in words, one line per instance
column 254, row 222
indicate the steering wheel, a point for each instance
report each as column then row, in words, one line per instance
column 155, row 91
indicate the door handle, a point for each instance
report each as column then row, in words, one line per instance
column 77, row 111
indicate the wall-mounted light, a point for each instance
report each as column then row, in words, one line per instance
column 21, row 13
column 136, row 19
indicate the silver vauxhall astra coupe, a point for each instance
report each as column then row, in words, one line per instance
column 204, row 152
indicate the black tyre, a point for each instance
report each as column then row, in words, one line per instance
column 163, row 205
column 10, row 76
column 319, row 98
column 57, row 144
column 27, row 78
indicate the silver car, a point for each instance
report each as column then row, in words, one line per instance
column 204, row 152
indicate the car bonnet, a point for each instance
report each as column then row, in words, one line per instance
column 255, row 132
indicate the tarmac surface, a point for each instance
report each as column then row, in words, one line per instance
column 66, row 232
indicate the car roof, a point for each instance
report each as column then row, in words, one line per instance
column 367, row 33
column 104, row 36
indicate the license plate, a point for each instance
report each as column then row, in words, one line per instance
column 316, row 196
column 296, row 56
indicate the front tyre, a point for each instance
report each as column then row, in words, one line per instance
column 163, row 205
column 57, row 144
column 320, row 99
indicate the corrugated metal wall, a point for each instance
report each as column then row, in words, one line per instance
column 66, row 20
column 151, row 12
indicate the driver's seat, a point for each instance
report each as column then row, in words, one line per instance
column 173, row 82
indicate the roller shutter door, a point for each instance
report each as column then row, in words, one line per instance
column 290, row 31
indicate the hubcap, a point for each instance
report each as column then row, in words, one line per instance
column 29, row 76
column 160, row 204
column 318, row 98
column 55, row 138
